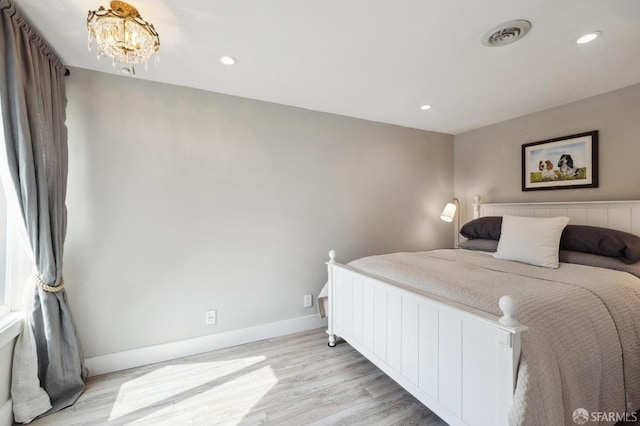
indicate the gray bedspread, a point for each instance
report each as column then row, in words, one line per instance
column 582, row 349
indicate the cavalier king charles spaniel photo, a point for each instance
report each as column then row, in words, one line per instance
column 546, row 170
column 565, row 164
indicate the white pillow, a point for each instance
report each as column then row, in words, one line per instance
column 532, row 240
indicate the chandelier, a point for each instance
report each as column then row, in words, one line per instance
column 123, row 35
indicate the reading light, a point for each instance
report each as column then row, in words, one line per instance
column 450, row 214
column 425, row 107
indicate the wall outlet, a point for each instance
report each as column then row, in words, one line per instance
column 308, row 300
column 210, row 317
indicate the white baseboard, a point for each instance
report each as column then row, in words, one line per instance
column 6, row 414
column 167, row 351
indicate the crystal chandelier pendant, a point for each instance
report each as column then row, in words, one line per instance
column 128, row 70
column 122, row 34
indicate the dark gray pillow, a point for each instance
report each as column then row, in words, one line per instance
column 486, row 228
column 589, row 259
column 601, row 241
column 479, row 244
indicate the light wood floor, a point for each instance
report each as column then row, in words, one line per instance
column 291, row 380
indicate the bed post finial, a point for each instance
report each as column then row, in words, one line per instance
column 332, row 256
column 509, row 309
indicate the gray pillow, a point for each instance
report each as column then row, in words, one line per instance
column 568, row 256
column 480, row 244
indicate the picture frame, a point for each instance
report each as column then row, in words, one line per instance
column 561, row 163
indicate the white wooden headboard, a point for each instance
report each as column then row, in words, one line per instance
column 620, row 215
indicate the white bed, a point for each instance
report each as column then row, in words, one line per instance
column 460, row 361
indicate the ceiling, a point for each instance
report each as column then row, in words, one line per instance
column 376, row 60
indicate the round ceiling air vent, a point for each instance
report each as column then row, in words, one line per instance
column 506, row 33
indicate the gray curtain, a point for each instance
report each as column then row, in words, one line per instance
column 48, row 371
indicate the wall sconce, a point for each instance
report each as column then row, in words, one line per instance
column 451, row 214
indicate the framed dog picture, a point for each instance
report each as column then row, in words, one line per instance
column 561, row 163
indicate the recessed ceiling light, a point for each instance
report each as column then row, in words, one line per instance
column 425, row 107
column 228, row 60
column 589, row 37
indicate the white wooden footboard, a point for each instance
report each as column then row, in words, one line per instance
column 458, row 361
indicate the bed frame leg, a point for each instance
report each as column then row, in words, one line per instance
column 330, row 263
column 332, row 341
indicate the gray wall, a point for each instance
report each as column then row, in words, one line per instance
column 488, row 160
column 182, row 200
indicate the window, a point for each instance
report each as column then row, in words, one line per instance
column 16, row 262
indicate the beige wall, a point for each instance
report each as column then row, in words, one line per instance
column 488, row 160
column 182, row 200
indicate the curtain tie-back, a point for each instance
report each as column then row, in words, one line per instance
column 41, row 285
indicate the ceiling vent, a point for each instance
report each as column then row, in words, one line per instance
column 506, row 33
